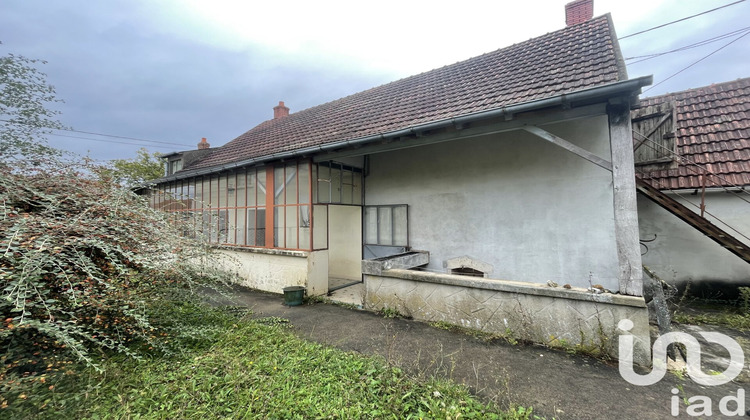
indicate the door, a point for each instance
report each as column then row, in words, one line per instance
column 344, row 245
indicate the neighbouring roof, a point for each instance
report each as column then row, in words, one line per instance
column 712, row 129
column 571, row 59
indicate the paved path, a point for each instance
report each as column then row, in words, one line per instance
column 555, row 383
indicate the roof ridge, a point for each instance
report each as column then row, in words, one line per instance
column 696, row 89
column 476, row 57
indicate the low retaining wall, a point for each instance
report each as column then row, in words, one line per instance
column 272, row 270
column 528, row 311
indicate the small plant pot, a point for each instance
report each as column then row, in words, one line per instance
column 293, row 295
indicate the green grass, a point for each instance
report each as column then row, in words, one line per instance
column 229, row 366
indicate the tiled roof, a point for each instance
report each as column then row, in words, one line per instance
column 712, row 130
column 574, row 58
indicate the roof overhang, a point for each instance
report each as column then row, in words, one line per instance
column 600, row 94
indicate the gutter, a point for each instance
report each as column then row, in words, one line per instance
column 599, row 92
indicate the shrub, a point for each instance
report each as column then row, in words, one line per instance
column 80, row 259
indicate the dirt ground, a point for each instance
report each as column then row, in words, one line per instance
column 556, row 384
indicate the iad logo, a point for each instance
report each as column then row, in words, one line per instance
column 700, row 405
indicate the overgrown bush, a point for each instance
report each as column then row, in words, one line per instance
column 81, row 258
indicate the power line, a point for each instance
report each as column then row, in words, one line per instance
column 97, row 134
column 701, row 59
column 686, row 47
column 680, row 20
column 106, row 141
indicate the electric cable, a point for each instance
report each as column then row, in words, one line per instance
column 679, row 20
column 699, row 60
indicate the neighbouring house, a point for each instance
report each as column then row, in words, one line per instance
column 694, row 146
column 496, row 193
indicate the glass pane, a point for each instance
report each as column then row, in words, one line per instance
column 241, row 190
column 304, row 229
column 261, row 174
column 190, row 199
column 252, row 233
column 199, row 197
column 314, row 183
column 241, row 228
column 222, row 192
column 231, row 227
column 385, row 226
column 278, row 185
column 291, row 183
column 346, row 187
column 320, row 227
column 357, row 193
column 304, row 183
column 214, row 192
column 278, row 225
column 231, row 190
column 371, row 225
column 324, row 185
column 260, row 235
column 400, row 236
column 335, row 185
column 223, row 225
column 291, row 227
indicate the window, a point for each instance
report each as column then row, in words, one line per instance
column 338, row 184
column 173, row 166
column 654, row 134
column 268, row 206
column 387, row 225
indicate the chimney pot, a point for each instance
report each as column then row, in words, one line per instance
column 578, row 11
column 203, row 144
column 280, row 111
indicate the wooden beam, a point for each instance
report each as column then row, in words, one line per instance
column 630, row 274
column 579, row 151
column 501, row 126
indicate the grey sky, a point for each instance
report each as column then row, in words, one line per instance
column 176, row 71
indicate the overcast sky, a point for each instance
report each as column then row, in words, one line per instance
column 175, row 71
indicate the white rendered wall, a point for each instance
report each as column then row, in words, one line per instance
column 532, row 210
column 345, row 242
column 263, row 271
column 682, row 254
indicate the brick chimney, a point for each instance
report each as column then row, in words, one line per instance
column 203, row 144
column 280, row 111
column 578, row 11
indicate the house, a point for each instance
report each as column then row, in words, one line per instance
column 497, row 193
column 694, row 146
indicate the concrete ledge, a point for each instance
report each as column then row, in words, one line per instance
column 527, row 311
column 509, row 286
column 404, row 261
column 267, row 251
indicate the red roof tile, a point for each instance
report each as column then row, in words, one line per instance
column 570, row 59
column 713, row 133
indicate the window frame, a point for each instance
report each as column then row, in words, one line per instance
column 203, row 198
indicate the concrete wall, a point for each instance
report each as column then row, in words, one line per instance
column 532, row 210
column 345, row 242
column 682, row 254
column 272, row 270
column 542, row 314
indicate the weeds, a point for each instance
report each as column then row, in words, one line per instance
column 391, row 313
column 733, row 317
